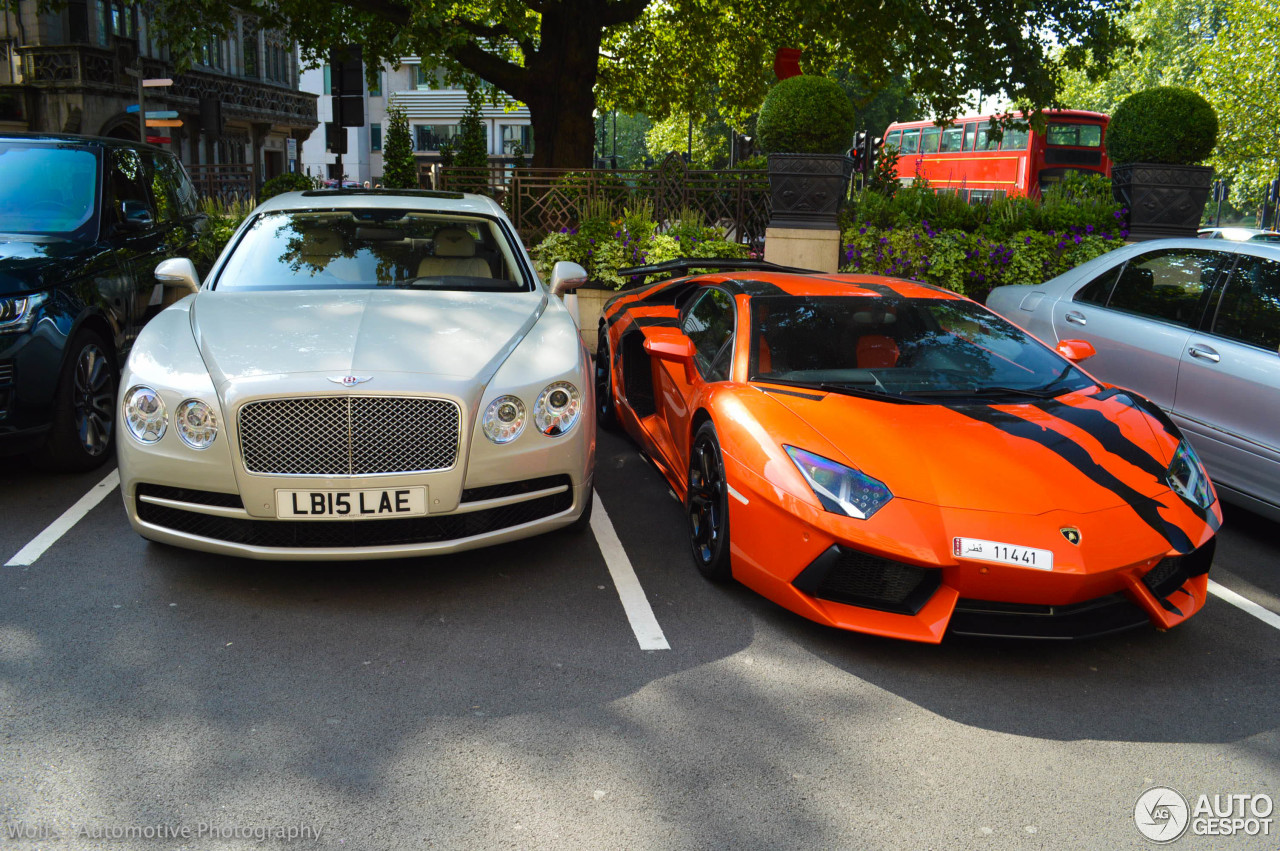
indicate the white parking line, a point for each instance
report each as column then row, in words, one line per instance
column 1265, row 615
column 70, row 517
column 634, row 602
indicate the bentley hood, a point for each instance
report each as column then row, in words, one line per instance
column 459, row 335
column 1080, row 452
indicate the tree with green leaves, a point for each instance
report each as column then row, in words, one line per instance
column 473, row 143
column 687, row 56
column 399, row 167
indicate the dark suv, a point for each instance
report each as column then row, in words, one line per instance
column 83, row 223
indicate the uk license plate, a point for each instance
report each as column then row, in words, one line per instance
column 362, row 504
column 997, row 552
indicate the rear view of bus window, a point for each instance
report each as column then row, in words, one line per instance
column 1075, row 135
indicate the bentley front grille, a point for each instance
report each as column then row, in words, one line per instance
column 349, row 435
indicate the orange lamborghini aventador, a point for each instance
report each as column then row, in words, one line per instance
column 888, row 457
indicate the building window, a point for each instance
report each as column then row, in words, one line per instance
column 375, row 89
column 328, row 79
column 375, row 136
column 250, row 57
column 429, row 137
column 517, row 134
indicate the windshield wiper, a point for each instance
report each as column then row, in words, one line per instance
column 990, row 390
column 851, row 389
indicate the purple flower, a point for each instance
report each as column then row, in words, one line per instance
column 1079, row 239
column 592, row 240
column 564, row 230
column 1027, row 240
column 862, row 229
column 1124, row 232
column 884, row 240
column 1053, row 233
column 1088, row 228
column 1061, row 244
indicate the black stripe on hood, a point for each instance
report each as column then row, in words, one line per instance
column 1077, row 456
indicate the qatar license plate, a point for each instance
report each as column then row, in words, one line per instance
column 363, row 504
column 976, row 549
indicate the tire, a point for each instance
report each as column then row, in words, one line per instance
column 706, row 504
column 606, row 413
column 84, row 408
column 583, row 523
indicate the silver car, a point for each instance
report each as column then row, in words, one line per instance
column 362, row 375
column 1192, row 324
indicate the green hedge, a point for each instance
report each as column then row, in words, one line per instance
column 1167, row 124
column 806, row 115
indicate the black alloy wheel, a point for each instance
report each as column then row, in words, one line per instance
column 84, row 408
column 707, row 506
column 606, row 414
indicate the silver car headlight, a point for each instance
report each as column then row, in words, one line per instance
column 840, row 489
column 558, row 409
column 1187, row 477
column 197, row 424
column 144, row 414
column 17, row 314
column 504, row 419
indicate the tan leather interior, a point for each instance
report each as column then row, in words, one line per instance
column 455, row 254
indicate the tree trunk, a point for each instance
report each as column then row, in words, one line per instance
column 561, row 94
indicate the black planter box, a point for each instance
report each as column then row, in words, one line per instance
column 1163, row 200
column 808, row 190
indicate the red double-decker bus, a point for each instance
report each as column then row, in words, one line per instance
column 965, row 158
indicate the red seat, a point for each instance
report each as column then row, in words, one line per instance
column 876, row 351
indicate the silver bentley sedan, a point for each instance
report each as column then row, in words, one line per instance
column 363, row 374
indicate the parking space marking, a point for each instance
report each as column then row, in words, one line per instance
column 1243, row 603
column 55, row 530
column 643, row 622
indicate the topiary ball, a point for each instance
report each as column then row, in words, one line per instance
column 287, row 182
column 1167, row 124
column 806, row 115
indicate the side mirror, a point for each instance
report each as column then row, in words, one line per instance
column 180, row 273
column 1076, row 350
column 673, row 347
column 567, row 277
column 136, row 216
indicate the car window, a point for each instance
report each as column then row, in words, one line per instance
column 174, row 195
column 1166, row 285
column 710, row 325
column 1250, row 308
column 129, row 179
column 1098, row 290
column 375, row 247
column 904, row 348
column 30, row 202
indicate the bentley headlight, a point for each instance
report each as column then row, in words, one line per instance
column 144, row 414
column 17, row 314
column 1187, row 477
column 504, row 419
column 197, row 424
column 558, row 408
column 840, row 489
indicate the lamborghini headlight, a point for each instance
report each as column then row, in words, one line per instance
column 840, row 489
column 144, row 414
column 197, row 424
column 1187, row 477
column 557, row 409
column 504, row 419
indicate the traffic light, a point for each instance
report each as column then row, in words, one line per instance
column 858, row 152
column 346, row 72
column 871, row 146
column 335, row 138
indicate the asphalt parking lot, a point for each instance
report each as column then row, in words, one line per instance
column 152, row 697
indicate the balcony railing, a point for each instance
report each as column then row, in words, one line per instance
column 98, row 69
